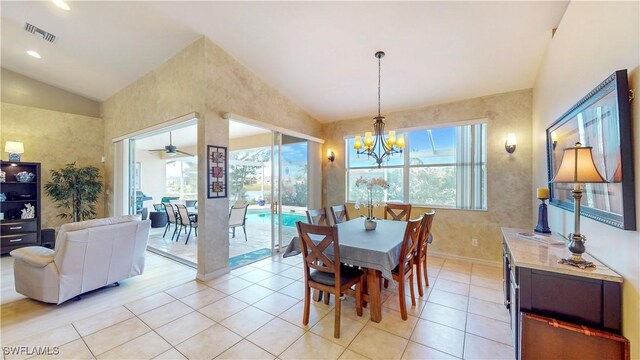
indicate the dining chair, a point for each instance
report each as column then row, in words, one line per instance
column 324, row 273
column 172, row 219
column 400, row 212
column 318, row 217
column 339, row 213
column 186, row 220
column 425, row 240
column 238, row 217
column 408, row 257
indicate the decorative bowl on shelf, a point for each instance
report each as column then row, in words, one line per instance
column 24, row 176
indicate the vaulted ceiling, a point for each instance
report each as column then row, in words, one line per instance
column 318, row 54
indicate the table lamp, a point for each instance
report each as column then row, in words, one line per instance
column 14, row 148
column 577, row 167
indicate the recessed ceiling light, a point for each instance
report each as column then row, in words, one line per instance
column 34, row 54
column 62, row 5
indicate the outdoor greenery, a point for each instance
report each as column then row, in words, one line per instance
column 433, row 185
column 76, row 190
column 182, row 178
column 243, row 177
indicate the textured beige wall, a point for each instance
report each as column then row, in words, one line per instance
column 569, row 70
column 508, row 176
column 54, row 139
column 173, row 89
column 201, row 78
column 250, row 142
column 21, row 90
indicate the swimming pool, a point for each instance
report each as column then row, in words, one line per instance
column 265, row 218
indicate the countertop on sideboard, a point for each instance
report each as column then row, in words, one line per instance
column 544, row 252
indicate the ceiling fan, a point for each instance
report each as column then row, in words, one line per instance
column 172, row 150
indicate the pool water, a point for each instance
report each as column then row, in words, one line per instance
column 265, row 218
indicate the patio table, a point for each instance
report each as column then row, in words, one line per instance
column 377, row 251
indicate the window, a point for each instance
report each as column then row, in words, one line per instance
column 182, row 178
column 441, row 167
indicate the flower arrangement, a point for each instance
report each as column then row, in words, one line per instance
column 370, row 184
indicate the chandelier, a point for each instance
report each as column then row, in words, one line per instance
column 375, row 144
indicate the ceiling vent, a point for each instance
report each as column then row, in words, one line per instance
column 37, row 31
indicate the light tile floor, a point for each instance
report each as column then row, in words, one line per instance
column 256, row 313
column 258, row 237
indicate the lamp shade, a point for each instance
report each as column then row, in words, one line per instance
column 577, row 166
column 14, row 147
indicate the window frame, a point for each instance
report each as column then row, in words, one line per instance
column 478, row 181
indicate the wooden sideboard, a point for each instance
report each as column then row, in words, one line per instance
column 535, row 283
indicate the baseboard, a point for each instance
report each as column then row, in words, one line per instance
column 465, row 258
column 213, row 275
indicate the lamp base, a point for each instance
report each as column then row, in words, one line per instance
column 14, row 157
column 577, row 261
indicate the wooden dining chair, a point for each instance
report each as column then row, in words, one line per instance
column 339, row 213
column 324, row 273
column 425, row 240
column 186, row 220
column 408, row 257
column 318, row 217
column 400, row 212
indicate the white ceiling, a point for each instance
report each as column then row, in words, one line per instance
column 318, row 54
column 188, row 136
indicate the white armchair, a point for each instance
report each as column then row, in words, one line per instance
column 88, row 255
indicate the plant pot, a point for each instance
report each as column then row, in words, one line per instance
column 370, row 224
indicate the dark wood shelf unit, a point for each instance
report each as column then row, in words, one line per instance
column 14, row 231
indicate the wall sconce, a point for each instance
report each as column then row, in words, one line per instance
column 14, row 148
column 510, row 143
column 554, row 139
column 331, row 155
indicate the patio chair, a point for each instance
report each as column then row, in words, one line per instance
column 238, row 217
column 186, row 220
column 172, row 219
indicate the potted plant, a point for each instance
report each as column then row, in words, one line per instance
column 370, row 221
column 76, row 189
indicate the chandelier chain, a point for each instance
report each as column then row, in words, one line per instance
column 379, row 60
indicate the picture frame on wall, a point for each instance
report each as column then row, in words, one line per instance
column 216, row 172
column 601, row 120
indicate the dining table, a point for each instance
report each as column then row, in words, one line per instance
column 377, row 252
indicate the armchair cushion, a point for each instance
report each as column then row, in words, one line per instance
column 37, row 256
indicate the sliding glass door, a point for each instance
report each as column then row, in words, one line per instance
column 276, row 201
